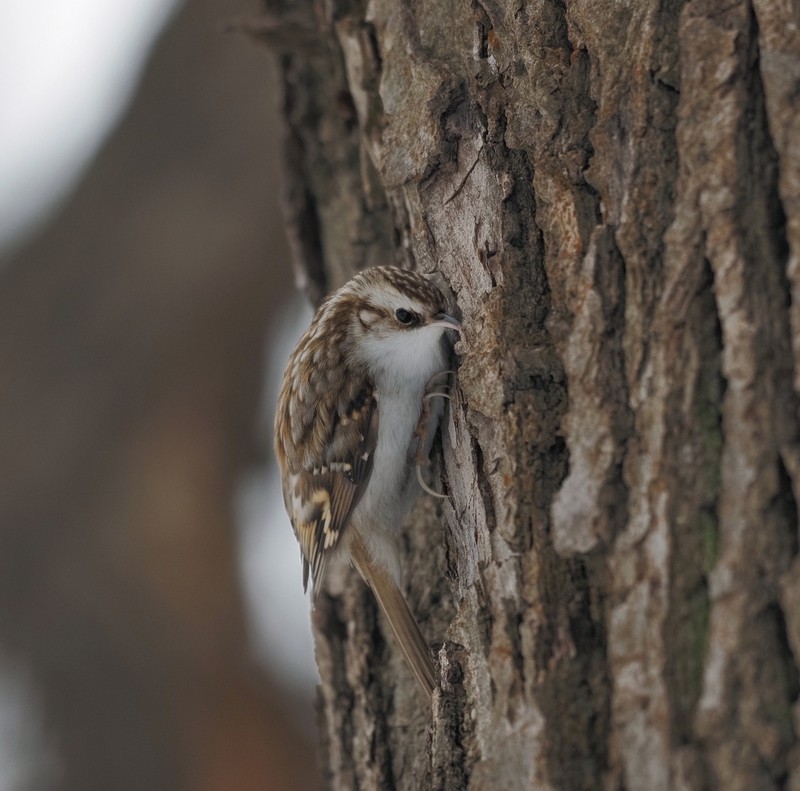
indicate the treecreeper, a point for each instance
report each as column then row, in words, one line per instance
column 356, row 417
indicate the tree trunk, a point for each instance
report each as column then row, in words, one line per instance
column 611, row 192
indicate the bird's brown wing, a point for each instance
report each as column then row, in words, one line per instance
column 321, row 496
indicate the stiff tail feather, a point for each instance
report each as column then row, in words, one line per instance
column 394, row 607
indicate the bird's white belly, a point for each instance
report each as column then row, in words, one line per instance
column 395, row 452
column 393, row 485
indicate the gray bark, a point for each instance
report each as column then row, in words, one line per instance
column 611, row 193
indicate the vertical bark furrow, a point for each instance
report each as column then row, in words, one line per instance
column 335, row 697
column 779, row 66
column 743, row 715
column 451, row 728
column 613, row 428
column 693, row 449
column 338, row 220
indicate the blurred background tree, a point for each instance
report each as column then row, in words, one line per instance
column 132, row 332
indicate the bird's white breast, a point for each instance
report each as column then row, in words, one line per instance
column 402, row 372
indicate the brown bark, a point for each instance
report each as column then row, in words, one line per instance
column 612, row 193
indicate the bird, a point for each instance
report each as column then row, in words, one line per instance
column 355, row 415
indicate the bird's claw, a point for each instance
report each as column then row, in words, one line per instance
column 425, row 486
column 421, row 431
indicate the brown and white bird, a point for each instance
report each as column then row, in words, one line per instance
column 351, row 424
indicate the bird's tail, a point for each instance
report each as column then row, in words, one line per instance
column 394, row 607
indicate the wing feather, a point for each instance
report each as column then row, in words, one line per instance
column 320, row 498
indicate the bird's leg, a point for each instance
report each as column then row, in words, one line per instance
column 421, row 432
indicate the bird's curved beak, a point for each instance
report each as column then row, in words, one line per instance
column 448, row 322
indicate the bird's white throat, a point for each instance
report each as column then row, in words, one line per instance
column 404, row 361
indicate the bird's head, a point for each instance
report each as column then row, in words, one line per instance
column 396, row 319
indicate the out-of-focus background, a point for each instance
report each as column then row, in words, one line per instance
column 153, row 631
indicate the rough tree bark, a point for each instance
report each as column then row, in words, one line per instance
column 611, row 191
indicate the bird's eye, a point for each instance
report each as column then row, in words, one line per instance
column 405, row 316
